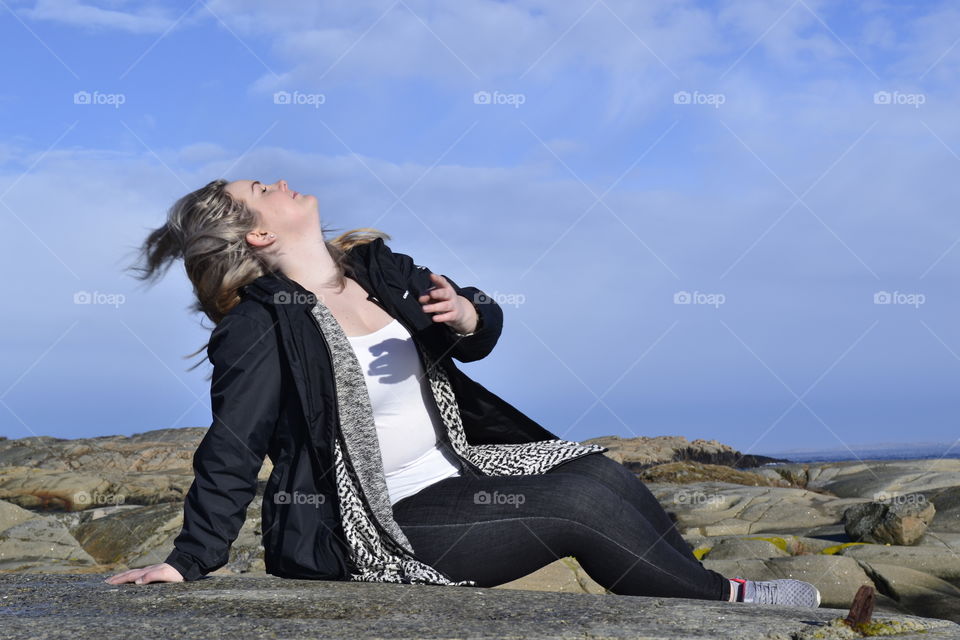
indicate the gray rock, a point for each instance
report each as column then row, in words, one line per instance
column 743, row 548
column 724, row 509
column 928, row 559
column 901, row 521
column 917, row 591
column 52, row 607
column 873, row 480
column 947, row 502
column 41, row 544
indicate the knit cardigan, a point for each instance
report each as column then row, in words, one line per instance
column 378, row 549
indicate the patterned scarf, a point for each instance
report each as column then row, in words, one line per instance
column 378, row 549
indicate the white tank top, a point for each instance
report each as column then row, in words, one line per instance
column 404, row 411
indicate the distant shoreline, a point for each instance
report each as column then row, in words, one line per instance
column 879, row 454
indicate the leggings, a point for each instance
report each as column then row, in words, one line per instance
column 495, row 529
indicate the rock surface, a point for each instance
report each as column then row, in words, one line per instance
column 60, row 513
column 79, row 607
column 723, row 508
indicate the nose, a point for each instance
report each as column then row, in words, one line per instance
column 282, row 184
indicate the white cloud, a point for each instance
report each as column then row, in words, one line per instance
column 141, row 19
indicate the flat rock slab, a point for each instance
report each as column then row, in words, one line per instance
column 83, row 606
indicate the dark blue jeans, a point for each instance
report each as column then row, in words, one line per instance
column 494, row 529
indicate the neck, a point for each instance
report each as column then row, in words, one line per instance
column 310, row 265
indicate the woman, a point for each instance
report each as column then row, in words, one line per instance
column 390, row 464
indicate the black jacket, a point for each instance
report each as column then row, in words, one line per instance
column 272, row 394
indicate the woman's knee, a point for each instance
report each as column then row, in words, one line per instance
column 583, row 499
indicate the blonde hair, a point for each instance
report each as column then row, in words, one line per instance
column 207, row 229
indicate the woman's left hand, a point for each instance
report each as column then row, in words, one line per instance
column 449, row 307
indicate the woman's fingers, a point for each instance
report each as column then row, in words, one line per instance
column 154, row 573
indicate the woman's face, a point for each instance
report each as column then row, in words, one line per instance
column 283, row 211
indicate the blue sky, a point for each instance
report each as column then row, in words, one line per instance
column 780, row 165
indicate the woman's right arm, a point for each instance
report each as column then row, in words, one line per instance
column 245, row 396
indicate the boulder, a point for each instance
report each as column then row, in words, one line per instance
column 901, row 521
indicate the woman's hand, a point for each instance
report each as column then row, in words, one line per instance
column 154, row 573
column 449, row 307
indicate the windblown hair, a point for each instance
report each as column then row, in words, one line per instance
column 207, row 229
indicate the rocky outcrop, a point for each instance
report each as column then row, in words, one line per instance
column 56, row 474
column 642, row 452
column 691, row 472
column 265, row 607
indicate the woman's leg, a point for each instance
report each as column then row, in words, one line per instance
column 494, row 529
column 621, row 480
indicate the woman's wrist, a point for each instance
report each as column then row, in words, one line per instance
column 478, row 324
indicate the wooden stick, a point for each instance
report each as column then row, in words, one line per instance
column 861, row 611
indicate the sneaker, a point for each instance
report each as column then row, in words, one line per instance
column 788, row 593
